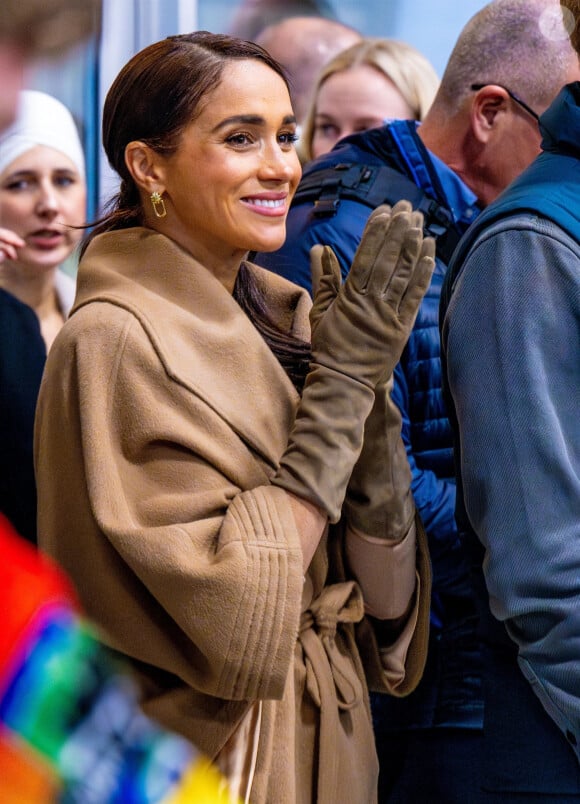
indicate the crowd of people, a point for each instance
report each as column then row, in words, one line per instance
column 300, row 426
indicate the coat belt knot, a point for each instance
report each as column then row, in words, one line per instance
column 331, row 678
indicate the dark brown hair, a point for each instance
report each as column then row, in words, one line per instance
column 156, row 95
column 293, row 355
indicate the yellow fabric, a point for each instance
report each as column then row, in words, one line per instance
column 202, row 784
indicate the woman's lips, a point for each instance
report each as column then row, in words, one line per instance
column 45, row 238
column 270, row 206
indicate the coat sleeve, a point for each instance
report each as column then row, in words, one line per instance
column 512, row 336
column 163, row 517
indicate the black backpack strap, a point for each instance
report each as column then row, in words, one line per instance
column 374, row 185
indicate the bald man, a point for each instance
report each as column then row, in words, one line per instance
column 303, row 45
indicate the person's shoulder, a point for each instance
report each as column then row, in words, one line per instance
column 12, row 305
column 16, row 318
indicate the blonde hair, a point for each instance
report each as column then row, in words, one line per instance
column 408, row 69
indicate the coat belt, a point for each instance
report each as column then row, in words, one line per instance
column 331, row 677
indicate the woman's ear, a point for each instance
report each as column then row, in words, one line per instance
column 144, row 166
column 488, row 105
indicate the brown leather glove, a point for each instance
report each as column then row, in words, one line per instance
column 358, row 338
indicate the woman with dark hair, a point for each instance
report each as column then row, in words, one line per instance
column 193, row 443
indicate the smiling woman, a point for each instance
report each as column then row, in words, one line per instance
column 246, row 171
column 194, row 445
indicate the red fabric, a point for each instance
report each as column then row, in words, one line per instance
column 30, row 585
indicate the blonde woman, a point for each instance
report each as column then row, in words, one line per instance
column 369, row 82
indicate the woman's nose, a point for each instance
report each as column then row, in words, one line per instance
column 279, row 164
column 47, row 203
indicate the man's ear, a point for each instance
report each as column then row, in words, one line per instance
column 144, row 166
column 489, row 105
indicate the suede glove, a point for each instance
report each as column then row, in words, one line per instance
column 358, row 338
column 379, row 501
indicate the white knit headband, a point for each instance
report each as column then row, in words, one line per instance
column 41, row 120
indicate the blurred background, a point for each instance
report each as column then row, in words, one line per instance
column 82, row 78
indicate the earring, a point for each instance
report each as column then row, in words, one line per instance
column 158, row 205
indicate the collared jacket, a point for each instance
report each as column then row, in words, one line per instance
column 161, row 420
column 511, row 338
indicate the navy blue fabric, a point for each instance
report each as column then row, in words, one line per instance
column 450, row 691
column 510, row 761
column 22, row 359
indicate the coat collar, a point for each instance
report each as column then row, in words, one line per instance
column 560, row 123
column 201, row 335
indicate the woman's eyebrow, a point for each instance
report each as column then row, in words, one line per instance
column 250, row 120
column 21, row 174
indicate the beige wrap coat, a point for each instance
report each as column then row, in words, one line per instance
column 161, row 419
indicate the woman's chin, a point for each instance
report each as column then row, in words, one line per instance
column 271, row 243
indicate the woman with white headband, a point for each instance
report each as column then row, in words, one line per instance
column 42, row 200
column 42, row 195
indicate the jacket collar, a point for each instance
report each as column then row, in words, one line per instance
column 560, row 123
column 210, row 346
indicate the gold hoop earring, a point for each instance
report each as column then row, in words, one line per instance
column 158, row 205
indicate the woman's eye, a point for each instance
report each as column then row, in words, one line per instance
column 326, row 130
column 64, row 181
column 19, row 184
column 288, row 138
column 239, row 139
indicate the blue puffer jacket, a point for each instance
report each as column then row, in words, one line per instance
column 448, row 693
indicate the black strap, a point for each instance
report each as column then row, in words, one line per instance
column 374, row 185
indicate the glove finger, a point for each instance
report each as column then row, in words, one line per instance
column 375, row 233
column 383, row 209
column 323, row 263
column 417, row 221
column 402, row 206
column 406, row 262
column 384, row 264
column 326, row 281
column 418, row 283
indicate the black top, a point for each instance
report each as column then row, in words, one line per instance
column 22, row 359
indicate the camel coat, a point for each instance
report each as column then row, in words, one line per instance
column 161, row 419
